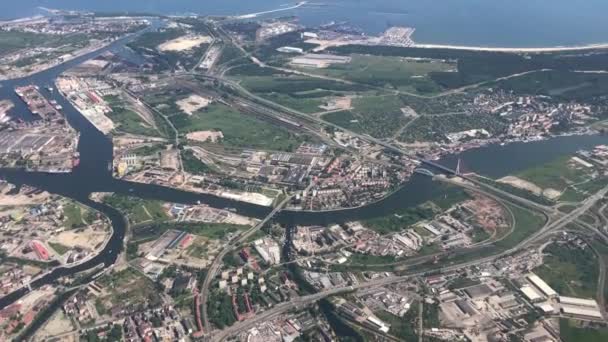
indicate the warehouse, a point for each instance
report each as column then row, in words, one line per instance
column 541, row 285
column 581, row 312
column 531, row 293
column 578, row 301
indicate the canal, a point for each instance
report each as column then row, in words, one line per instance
column 93, row 175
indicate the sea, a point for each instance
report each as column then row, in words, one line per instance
column 490, row 23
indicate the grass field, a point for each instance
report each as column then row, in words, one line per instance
column 557, row 174
column 378, row 116
column 307, row 105
column 367, row 259
column 73, row 214
column 526, row 223
column 566, row 85
column 194, row 165
column 573, row 331
column 570, row 270
column 400, row 220
column 445, row 197
column 126, row 288
column 239, row 130
column 208, row 230
column 11, row 41
column 59, row 248
column 384, row 71
column 126, row 120
column 404, row 327
column 137, row 210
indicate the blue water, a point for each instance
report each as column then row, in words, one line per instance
column 513, row 23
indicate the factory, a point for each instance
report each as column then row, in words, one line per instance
column 541, row 285
column 580, row 308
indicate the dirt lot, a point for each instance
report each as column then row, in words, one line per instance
column 88, row 238
column 521, row 184
column 202, row 136
column 21, row 199
column 184, row 43
column 192, row 103
column 338, row 103
column 58, row 324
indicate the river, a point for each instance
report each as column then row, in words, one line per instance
column 93, row 175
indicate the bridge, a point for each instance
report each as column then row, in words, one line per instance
column 425, row 172
column 446, row 169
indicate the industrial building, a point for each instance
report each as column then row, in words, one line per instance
column 542, row 285
column 580, row 307
column 269, row 250
column 531, row 293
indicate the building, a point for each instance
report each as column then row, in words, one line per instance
column 378, row 324
column 531, row 293
column 582, row 312
column 578, row 301
column 269, row 250
column 542, row 285
column 290, row 49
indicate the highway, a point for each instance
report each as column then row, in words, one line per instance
column 549, row 229
column 556, row 220
column 217, row 262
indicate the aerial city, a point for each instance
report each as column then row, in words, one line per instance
column 266, row 171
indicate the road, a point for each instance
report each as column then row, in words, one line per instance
column 217, row 262
column 550, row 228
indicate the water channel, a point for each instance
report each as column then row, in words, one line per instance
column 93, row 175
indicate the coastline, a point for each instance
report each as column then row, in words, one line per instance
column 512, row 49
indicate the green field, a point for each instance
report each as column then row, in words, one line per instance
column 444, row 197
column 126, row 120
column 209, row 230
column 575, row 331
column 298, row 92
column 400, row 220
column 239, row 130
column 73, row 216
column 59, row 248
column 345, row 119
column 565, row 85
column 385, row 71
column 136, row 209
column 194, row 165
column 302, row 104
column 570, row 271
column 11, row 41
column 526, row 223
column 557, row 174
column 368, row 259
column 404, row 327
column 128, row 287
column 378, row 116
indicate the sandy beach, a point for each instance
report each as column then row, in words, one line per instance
column 513, row 49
